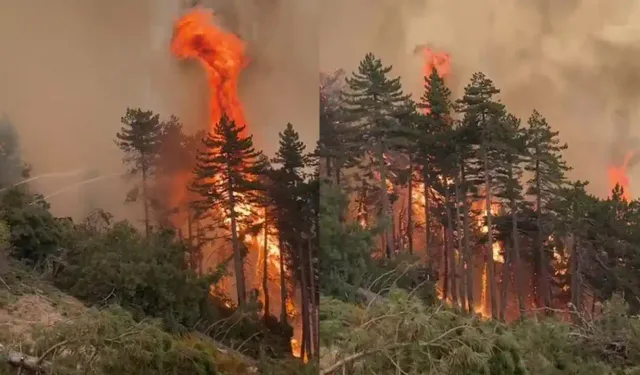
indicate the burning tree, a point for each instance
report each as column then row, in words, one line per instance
column 226, row 177
column 373, row 104
column 548, row 169
column 294, row 193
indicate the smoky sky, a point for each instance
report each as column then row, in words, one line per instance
column 70, row 68
column 577, row 62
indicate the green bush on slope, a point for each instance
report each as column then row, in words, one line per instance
column 402, row 335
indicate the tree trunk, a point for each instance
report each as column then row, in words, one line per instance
column 283, row 281
column 467, row 244
column 427, row 227
column 461, row 271
column 410, row 208
column 576, row 292
column 313, row 303
column 386, row 209
column 192, row 253
column 238, row 258
column 504, row 283
column 199, row 244
column 517, row 266
column 544, row 291
column 145, row 201
column 450, row 249
column 490, row 264
column 304, row 297
column 265, row 264
column 445, row 268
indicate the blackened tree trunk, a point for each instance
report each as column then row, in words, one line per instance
column 265, row 264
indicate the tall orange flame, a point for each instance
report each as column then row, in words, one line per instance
column 222, row 55
column 618, row 176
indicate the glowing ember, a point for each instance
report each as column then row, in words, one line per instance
column 618, row 176
column 296, row 348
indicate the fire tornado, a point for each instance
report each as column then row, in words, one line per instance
column 221, row 54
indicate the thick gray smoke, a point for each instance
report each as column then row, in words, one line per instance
column 575, row 61
column 70, row 68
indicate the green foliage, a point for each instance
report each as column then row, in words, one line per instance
column 400, row 333
column 345, row 248
column 35, row 234
column 111, row 342
column 139, row 139
column 147, row 276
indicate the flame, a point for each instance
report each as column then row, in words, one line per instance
column 296, row 348
column 618, row 176
column 221, row 54
column 481, row 205
column 440, row 61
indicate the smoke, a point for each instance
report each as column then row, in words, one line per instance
column 575, row 61
column 70, row 68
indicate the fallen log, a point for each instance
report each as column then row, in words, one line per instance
column 23, row 361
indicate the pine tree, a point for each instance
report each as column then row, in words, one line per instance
column 290, row 181
column 333, row 150
column 373, row 104
column 509, row 167
column 573, row 210
column 139, row 139
column 226, row 177
column 433, row 155
column 482, row 117
column 548, row 168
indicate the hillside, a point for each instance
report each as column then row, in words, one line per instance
column 99, row 297
column 47, row 329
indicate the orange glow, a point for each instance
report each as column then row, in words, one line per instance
column 221, row 54
column 495, row 208
column 618, row 176
column 296, row 349
column 440, row 61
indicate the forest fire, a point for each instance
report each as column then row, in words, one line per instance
column 222, row 55
column 441, row 62
column 618, row 176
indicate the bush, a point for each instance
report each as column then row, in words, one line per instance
column 402, row 334
column 112, row 342
column 113, row 263
column 35, row 234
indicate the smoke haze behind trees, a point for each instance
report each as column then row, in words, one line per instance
column 70, row 68
column 575, row 61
